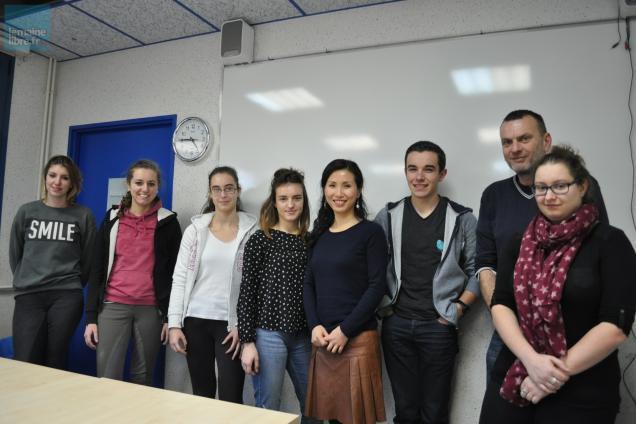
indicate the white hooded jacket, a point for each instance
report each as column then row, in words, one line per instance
column 187, row 268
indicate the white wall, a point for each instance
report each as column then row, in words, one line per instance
column 185, row 77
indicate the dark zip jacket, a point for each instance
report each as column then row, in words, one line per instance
column 456, row 270
column 167, row 241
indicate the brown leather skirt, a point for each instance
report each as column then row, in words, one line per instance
column 347, row 386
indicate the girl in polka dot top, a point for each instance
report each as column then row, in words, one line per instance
column 271, row 317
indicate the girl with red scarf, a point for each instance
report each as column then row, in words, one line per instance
column 563, row 303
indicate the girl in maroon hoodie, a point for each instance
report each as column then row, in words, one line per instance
column 136, row 251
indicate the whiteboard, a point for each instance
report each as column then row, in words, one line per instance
column 370, row 104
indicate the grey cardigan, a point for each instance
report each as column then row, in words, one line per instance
column 456, row 270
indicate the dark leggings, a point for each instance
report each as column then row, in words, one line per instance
column 204, row 337
column 550, row 410
column 43, row 324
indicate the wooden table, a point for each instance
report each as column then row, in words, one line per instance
column 34, row 394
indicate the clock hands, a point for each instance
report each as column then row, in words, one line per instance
column 191, row 140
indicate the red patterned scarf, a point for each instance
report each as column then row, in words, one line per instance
column 546, row 253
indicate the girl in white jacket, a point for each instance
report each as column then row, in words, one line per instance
column 205, row 289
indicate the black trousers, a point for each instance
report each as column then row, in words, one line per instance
column 204, row 337
column 420, row 359
column 43, row 325
column 550, row 410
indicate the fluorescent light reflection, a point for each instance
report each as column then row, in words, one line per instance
column 488, row 80
column 387, row 169
column 352, row 143
column 285, row 100
column 488, row 135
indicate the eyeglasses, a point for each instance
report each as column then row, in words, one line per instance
column 558, row 188
column 216, row 191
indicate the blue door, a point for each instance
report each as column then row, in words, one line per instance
column 104, row 151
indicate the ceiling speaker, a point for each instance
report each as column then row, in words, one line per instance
column 237, row 42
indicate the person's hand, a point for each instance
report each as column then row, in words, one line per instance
column 318, row 336
column 177, row 340
column 249, row 358
column 91, row 337
column 443, row 321
column 235, row 343
column 547, row 372
column 336, row 340
column 530, row 391
column 164, row 334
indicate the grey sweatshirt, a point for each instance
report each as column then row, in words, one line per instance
column 51, row 248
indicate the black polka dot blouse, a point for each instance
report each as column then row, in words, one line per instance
column 271, row 295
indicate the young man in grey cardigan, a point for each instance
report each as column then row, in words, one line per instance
column 431, row 280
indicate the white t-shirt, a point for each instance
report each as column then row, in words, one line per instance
column 211, row 292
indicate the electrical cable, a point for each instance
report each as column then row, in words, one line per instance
column 631, row 154
column 629, row 364
column 631, row 114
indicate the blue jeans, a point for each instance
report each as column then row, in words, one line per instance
column 420, row 358
column 494, row 348
column 277, row 352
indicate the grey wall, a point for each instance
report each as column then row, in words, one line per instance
column 185, row 77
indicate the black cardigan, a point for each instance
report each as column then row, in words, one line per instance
column 167, row 241
column 599, row 288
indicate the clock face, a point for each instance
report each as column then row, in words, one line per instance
column 191, row 139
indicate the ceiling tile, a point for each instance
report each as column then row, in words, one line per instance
column 149, row 21
column 89, row 27
column 40, row 46
column 219, row 11
column 55, row 52
column 75, row 31
column 317, row 6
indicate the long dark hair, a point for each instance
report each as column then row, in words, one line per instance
column 74, row 175
column 269, row 214
column 126, row 201
column 209, row 205
column 325, row 214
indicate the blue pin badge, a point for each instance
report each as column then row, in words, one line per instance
column 440, row 245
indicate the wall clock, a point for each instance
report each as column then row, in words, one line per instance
column 191, row 139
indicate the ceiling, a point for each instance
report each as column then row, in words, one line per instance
column 72, row 29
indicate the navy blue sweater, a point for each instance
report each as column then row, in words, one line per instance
column 345, row 279
column 505, row 213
